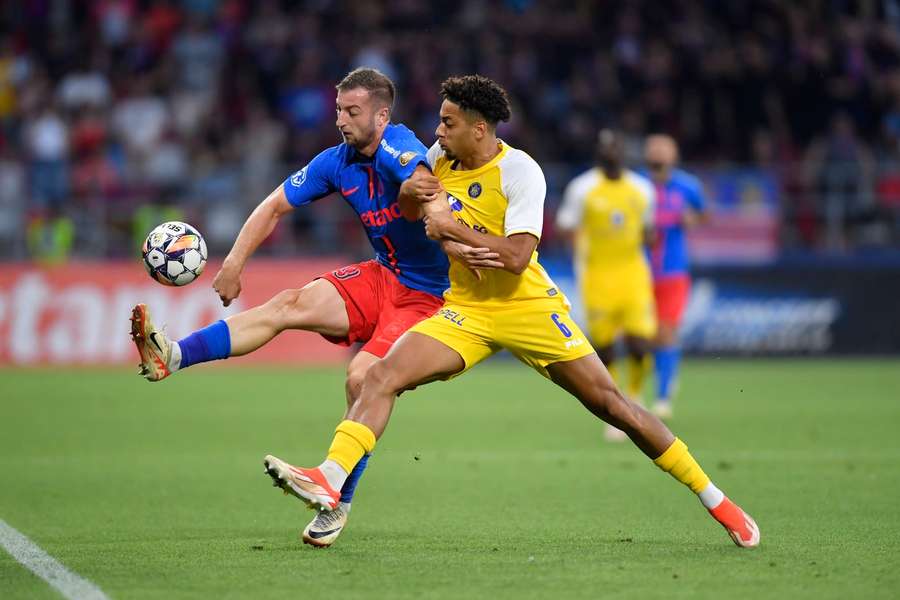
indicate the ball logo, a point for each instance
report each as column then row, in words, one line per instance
column 299, row 177
column 475, row 190
column 156, row 239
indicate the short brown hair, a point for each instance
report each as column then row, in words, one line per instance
column 379, row 85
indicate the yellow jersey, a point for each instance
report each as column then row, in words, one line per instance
column 502, row 198
column 609, row 217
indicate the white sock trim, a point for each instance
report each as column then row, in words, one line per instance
column 174, row 357
column 334, row 474
column 711, row 496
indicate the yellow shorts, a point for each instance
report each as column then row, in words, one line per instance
column 623, row 305
column 537, row 332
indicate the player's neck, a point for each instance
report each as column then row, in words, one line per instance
column 370, row 150
column 484, row 153
column 610, row 173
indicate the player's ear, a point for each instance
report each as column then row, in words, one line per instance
column 383, row 116
column 480, row 128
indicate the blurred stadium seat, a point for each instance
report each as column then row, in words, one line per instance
column 117, row 114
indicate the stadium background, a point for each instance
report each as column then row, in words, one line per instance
column 116, row 115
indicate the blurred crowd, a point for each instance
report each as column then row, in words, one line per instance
column 117, row 114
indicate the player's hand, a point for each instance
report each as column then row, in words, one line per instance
column 227, row 283
column 436, row 223
column 424, row 186
column 476, row 259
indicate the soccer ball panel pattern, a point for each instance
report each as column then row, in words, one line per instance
column 174, row 253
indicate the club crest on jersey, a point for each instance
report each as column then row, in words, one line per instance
column 455, row 204
column 406, row 157
column 299, row 177
column 475, row 190
column 346, row 273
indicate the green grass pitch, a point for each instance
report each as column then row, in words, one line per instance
column 495, row 485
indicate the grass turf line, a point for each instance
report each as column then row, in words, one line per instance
column 494, row 484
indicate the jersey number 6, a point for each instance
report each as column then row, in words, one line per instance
column 562, row 326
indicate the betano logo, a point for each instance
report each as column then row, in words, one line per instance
column 383, row 216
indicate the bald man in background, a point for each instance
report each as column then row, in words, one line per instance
column 679, row 205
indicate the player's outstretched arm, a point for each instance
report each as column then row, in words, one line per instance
column 258, row 227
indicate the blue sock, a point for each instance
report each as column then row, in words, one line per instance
column 353, row 478
column 210, row 343
column 665, row 365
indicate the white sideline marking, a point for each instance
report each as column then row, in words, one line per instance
column 46, row 567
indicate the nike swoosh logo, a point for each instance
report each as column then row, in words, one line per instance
column 350, row 191
column 155, row 343
column 320, row 534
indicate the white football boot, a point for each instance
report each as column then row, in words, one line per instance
column 152, row 344
column 325, row 528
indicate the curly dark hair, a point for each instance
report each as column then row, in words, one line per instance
column 478, row 94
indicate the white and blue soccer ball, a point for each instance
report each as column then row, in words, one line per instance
column 174, row 253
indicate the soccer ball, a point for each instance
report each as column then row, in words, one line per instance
column 174, row 253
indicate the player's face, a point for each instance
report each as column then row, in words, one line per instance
column 610, row 154
column 661, row 154
column 358, row 117
column 456, row 133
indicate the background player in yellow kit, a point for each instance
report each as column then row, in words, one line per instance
column 607, row 212
column 496, row 196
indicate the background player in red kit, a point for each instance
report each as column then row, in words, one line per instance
column 679, row 205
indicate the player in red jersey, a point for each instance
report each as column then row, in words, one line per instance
column 372, row 302
column 679, row 206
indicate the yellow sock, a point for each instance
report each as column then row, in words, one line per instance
column 678, row 462
column 637, row 374
column 351, row 441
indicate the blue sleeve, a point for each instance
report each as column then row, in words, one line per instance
column 694, row 196
column 400, row 156
column 315, row 180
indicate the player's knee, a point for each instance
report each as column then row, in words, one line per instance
column 286, row 308
column 381, row 379
column 666, row 335
column 356, row 375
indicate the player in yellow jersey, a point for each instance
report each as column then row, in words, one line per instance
column 496, row 197
column 607, row 212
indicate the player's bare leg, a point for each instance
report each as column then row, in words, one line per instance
column 316, row 307
column 356, row 374
column 327, row 525
column 607, row 354
column 588, row 380
column 415, row 359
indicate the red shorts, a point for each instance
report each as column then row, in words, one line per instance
column 379, row 307
column 671, row 298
